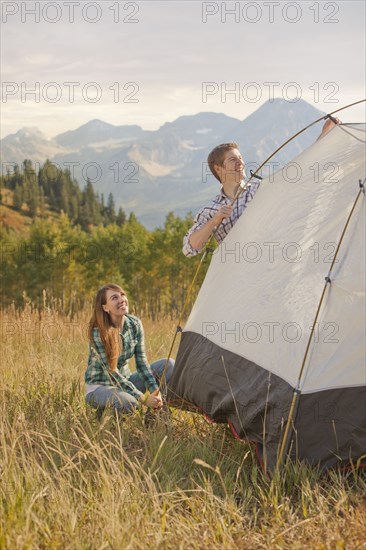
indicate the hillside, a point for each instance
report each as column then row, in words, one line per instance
column 18, row 221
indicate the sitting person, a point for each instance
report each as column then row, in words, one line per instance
column 114, row 337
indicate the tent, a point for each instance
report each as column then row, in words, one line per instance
column 260, row 341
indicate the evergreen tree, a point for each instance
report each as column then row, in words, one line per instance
column 121, row 217
column 31, row 188
column 74, row 202
column 18, row 197
column 89, row 213
column 15, row 178
column 111, row 209
column 103, row 210
column 33, row 200
column 42, row 203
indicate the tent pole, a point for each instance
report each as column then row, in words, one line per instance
column 291, row 418
column 285, row 438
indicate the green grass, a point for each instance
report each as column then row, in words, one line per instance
column 70, row 481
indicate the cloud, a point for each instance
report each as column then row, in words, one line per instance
column 170, row 51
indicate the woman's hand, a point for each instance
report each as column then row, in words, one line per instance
column 154, row 400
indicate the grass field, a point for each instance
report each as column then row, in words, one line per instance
column 70, row 481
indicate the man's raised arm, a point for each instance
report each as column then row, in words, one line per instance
column 200, row 232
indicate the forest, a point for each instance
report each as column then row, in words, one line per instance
column 76, row 242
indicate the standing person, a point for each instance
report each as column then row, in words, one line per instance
column 115, row 337
column 227, row 165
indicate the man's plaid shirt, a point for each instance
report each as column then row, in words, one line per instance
column 210, row 209
column 97, row 372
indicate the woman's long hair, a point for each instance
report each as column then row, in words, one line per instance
column 109, row 334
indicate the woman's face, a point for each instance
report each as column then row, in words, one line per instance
column 116, row 304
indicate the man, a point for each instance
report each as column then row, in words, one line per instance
column 227, row 165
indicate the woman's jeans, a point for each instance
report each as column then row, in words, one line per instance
column 121, row 400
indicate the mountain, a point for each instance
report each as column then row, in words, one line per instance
column 98, row 134
column 197, row 130
column 262, row 132
column 155, row 172
column 28, row 143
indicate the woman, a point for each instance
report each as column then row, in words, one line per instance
column 115, row 336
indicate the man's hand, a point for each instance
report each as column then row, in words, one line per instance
column 328, row 126
column 224, row 212
column 200, row 237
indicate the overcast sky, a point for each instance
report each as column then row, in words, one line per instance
column 149, row 62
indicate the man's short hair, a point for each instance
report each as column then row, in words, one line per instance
column 217, row 156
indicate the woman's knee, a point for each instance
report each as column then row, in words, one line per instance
column 92, row 402
column 108, row 396
column 125, row 403
column 169, row 370
column 159, row 367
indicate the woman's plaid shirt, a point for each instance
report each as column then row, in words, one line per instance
column 210, row 209
column 133, row 344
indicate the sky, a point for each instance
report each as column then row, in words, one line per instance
column 65, row 63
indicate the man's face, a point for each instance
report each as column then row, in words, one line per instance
column 232, row 168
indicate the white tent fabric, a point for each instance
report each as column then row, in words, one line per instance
column 262, row 290
column 245, row 339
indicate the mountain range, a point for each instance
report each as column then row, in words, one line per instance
column 155, row 172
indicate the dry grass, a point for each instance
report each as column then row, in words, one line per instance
column 69, row 481
column 14, row 221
